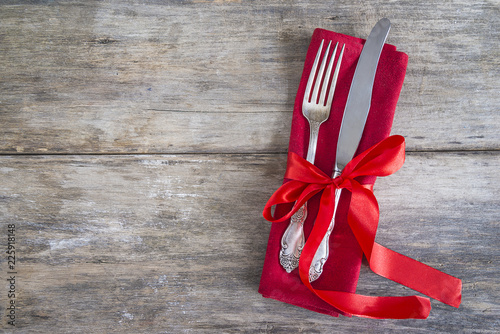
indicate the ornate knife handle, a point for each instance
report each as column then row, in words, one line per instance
column 323, row 251
column 293, row 240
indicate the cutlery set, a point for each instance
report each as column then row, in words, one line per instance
column 317, row 102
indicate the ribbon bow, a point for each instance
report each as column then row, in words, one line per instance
column 382, row 159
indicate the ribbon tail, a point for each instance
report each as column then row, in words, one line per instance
column 416, row 275
column 363, row 219
column 363, row 306
column 410, row 307
column 321, row 224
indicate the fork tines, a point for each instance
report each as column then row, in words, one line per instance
column 321, row 79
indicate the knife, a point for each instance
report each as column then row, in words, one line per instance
column 353, row 122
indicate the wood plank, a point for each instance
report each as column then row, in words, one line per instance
column 195, row 76
column 175, row 243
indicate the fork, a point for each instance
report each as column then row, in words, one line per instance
column 316, row 110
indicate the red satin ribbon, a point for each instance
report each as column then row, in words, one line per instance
column 382, row 159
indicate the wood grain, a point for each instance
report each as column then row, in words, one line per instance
column 191, row 76
column 171, row 243
column 139, row 142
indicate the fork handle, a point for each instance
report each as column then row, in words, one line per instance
column 323, row 250
column 313, row 140
column 293, row 240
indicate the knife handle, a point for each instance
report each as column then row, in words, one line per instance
column 293, row 240
column 323, row 250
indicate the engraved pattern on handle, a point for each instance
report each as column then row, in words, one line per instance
column 293, row 240
column 323, row 250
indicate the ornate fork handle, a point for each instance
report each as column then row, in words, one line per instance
column 293, row 240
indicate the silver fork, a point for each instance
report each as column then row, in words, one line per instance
column 316, row 112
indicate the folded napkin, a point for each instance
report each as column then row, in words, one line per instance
column 357, row 217
column 341, row 271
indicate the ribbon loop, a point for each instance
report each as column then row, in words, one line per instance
column 306, row 180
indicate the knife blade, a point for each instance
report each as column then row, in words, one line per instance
column 353, row 123
column 360, row 95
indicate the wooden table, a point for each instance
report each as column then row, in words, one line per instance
column 140, row 141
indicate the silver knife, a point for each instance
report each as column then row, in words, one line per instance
column 353, row 122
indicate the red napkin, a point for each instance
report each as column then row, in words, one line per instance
column 341, row 271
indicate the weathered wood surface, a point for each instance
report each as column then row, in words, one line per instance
column 201, row 76
column 152, row 243
column 140, row 141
